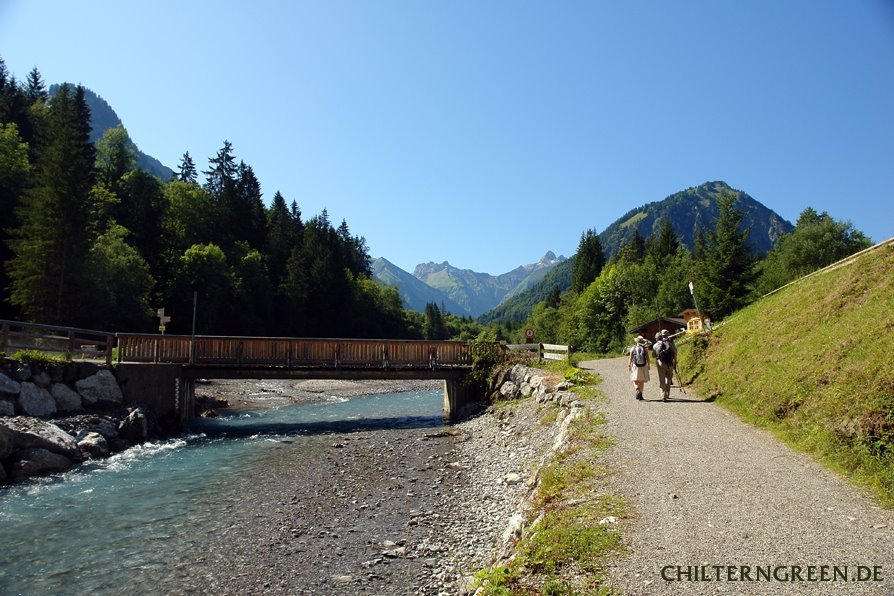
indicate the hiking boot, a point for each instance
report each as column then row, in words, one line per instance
column 639, row 394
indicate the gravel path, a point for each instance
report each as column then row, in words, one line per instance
column 706, row 489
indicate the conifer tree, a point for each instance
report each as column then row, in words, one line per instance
column 35, row 88
column 188, row 172
column 14, row 171
column 248, row 217
column 726, row 269
column 56, row 229
column 663, row 245
column 282, row 237
column 588, row 262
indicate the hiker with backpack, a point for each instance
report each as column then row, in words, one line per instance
column 665, row 360
column 638, row 365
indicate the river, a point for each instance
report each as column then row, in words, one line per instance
column 194, row 514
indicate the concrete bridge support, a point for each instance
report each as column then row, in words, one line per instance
column 457, row 398
column 161, row 387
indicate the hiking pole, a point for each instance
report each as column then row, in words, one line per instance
column 679, row 378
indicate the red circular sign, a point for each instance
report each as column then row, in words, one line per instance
column 529, row 333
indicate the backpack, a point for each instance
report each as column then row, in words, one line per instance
column 639, row 356
column 664, row 353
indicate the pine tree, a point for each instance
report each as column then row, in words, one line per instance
column 188, row 172
column 588, row 262
column 663, row 245
column 282, row 237
column 35, row 88
column 56, row 229
column 727, row 266
column 248, row 217
column 14, row 172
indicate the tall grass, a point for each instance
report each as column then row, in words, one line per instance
column 815, row 364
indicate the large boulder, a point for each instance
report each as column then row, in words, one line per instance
column 7, row 408
column 67, row 399
column 36, row 401
column 33, row 433
column 7, row 443
column 94, row 445
column 100, row 388
column 37, row 462
column 135, row 427
column 9, row 386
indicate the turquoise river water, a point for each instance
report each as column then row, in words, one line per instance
column 110, row 525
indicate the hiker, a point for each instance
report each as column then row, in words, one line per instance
column 665, row 361
column 638, row 365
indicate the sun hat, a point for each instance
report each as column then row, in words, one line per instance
column 640, row 340
column 664, row 332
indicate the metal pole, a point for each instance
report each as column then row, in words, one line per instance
column 192, row 342
column 692, row 291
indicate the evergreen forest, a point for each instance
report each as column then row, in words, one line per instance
column 88, row 239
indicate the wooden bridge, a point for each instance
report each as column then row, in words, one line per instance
column 288, row 357
column 161, row 370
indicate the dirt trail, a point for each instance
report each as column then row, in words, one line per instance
column 707, row 490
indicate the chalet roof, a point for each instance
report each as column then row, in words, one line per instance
column 672, row 324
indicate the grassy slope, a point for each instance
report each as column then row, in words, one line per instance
column 815, row 364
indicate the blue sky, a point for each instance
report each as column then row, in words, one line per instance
column 487, row 133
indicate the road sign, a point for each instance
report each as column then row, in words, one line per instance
column 529, row 335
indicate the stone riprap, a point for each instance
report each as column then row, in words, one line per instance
column 51, row 420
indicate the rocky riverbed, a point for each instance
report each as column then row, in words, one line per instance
column 396, row 511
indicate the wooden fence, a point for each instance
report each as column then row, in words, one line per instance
column 73, row 342
column 543, row 351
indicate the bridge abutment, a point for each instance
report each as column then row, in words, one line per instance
column 161, row 387
column 457, row 398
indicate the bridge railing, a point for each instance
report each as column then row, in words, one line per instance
column 204, row 350
column 72, row 341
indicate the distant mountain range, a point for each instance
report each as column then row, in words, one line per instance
column 460, row 291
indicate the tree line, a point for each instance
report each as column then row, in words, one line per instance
column 88, row 239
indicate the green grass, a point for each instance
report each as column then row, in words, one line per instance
column 813, row 363
column 567, row 550
column 38, row 358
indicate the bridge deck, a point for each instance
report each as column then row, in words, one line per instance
column 284, row 357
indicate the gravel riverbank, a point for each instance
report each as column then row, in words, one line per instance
column 395, row 511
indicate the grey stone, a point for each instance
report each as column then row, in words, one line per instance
column 509, row 389
column 67, row 399
column 94, row 444
column 9, row 386
column 135, row 427
column 7, row 443
column 36, row 462
column 101, row 387
column 41, row 379
column 7, row 408
column 23, row 373
column 32, row 432
column 36, row 401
